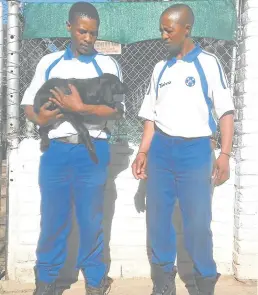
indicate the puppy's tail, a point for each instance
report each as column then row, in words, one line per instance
column 88, row 143
column 44, row 143
column 85, row 135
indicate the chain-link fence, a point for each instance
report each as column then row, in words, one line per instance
column 137, row 62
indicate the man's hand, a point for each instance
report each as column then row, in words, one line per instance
column 45, row 116
column 221, row 170
column 71, row 102
column 139, row 166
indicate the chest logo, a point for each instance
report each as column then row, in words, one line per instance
column 164, row 84
column 190, row 81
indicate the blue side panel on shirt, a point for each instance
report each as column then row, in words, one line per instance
column 54, row 63
column 97, row 67
column 204, row 84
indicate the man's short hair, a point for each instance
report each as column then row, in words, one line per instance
column 83, row 9
column 188, row 15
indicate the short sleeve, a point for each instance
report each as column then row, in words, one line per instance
column 147, row 110
column 39, row 77
column 37, row 81
column 222, row 98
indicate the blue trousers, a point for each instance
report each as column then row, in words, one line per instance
column 67, row 174
column 180, row 168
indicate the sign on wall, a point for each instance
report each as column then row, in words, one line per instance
column 108, row 48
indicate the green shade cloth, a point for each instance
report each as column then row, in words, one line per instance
column 130, row 22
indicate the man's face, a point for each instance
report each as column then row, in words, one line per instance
column 84, row 33
column 173, row 34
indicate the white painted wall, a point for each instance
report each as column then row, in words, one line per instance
column 246, row 206
column 128, row 229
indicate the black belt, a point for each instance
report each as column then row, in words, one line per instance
column 185, row 138
column 75, row 139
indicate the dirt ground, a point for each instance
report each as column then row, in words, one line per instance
column 226, row 286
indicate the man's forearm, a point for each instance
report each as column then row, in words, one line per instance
column 227, row 132
column 102, row 111
column 147, row 137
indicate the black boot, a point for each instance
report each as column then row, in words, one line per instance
column 206, row 286
column 101, row 290
column 60, row 291
column 192, row 288
column 61, row 287
column 94, row 291
column 43, row 288
column 2, row 273
column 163, row 283
column 189, row 280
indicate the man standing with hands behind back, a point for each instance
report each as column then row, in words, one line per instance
column 186, row 92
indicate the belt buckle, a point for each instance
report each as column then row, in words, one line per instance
column 75, row 139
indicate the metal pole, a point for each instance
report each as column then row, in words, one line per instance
column 235, row 48
column 12, row 100
column 1, row 112
column 1, row 87
column 13, row 75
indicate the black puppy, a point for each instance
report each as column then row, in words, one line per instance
column 94, row 91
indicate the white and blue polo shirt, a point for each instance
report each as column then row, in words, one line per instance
column 187, row 97
column 63, row 64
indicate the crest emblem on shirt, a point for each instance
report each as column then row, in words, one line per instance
column 190, row 81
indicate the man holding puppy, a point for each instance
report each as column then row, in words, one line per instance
column 186, row 92
column 66, row 169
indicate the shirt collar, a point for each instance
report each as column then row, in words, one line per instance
column 68, row 55
column 189, row 57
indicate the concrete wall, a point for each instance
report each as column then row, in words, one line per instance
column 128, row 250
column 246, row 206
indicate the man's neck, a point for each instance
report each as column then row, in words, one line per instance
column 188, row 46
column 76, row 54
column 74, row 51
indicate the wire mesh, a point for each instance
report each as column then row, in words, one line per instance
column 137, row 61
